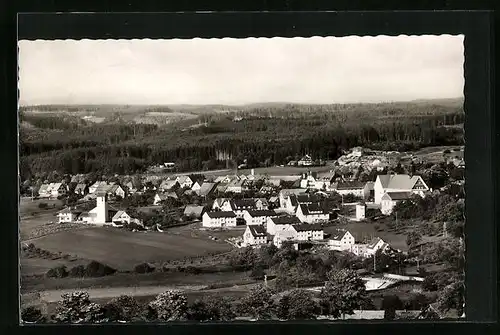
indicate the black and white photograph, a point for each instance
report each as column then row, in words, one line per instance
column 241, row 179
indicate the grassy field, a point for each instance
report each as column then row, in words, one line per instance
column 27, row 206
column 124, row 249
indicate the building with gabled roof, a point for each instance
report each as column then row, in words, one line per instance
column 356, row 188
column 219, row 219
column 284, row 193
column 308, row 232
column 206, row 189
column 341, row 240
column 312, row 213
column 399, row 183
column 81, row 189
column 275, row 224
column 194, row 211
column 168, row 185
column 68, row 215
column 121, row 217
column 391, row 199
column 184, row 181
column 258, row 217
column 255, row 236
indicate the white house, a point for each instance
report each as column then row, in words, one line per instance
column 261, row 204
column 81, row 189
column 374, row 246
column 57, row 189
column 390, row 199
column 121, row 217
column 217, row 205
column 239, row 206
column 293, row 201
column 258, row 217
column 116, row 191
column 68, row 215
column 398, row 183
column 279, row 223
column 206, row 189
column 254, row 236
column 355, row 188
column 184, row 181
column 312, row 213
column 305, row 161
column 219, row 219
column 159, row 197
column 341, row 240
column 308, row 232
column 360, row 212
column 288, row 234
column 236, row 186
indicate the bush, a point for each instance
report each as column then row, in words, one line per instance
column 43, row 205
column 96, row 269
column 144, row 268
column 57, row 272
column 31, row 314
column 257, row 273
column 77, row 271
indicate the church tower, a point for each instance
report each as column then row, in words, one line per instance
column 102, row 208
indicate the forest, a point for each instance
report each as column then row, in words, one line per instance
column 261, row 135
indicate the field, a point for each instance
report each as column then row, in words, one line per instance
column 124, row 249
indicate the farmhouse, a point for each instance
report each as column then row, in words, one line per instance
column 68, row 215
column 311, row 213
column 308, row 232
column 193, row 211
column 258, row 217
column 341, row 240
column 239, row 206
column 115, row 191
column 131, row 188
column 254, row 236
column 390, row 199
column 398, row 183
column 275, row 224
column 184, row 181
column 294, row 201
column 219, row 219
column 374, row 246
column 81, row 189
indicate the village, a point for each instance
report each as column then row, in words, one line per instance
column 297, row 209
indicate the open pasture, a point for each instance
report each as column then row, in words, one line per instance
column 123, row 249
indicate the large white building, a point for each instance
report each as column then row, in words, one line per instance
column 311, row 213
column 391, row 199
column 254, row 236
column 280, row 223
column 398, row 183
column 341, row 240
column 219, row 219
column 258, row 217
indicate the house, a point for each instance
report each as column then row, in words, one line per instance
column 311, row 213
column 288, row 234
column 308, row 232
column 341, row 240
column 217, row 205
column 44, row 191
column 221, row 188
column 258, row 217
column 168, row 185
column 68, row 215
column 196, row 186
column 219, row 219
column 159, row 197
column 93, row 188
column 226, row 179
column 184, row 181
column 283, row 195
column 121, row 218
column 275, row 224
column 81, row 189
column 255, row 236
column 274, row 202
column 294, row 201
column 169, row 165
column 58, row 189
column 398, row 183
column 266, row 189
column 360, row 212
column 356, row 188
column 312, row 181
column 193, row 211
column 390, row 199
column 305, row 161
column 374, row 246
column 116, row 191
column 356, row 152
column 131, row 188
column 276, row 182
column 239, row 206
column 206, row 189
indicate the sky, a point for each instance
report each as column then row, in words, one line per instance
column 240, row 71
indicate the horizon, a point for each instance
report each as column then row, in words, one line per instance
column 236, row 72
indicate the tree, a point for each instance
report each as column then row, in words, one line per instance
column 213, row 308
column 452, row 297
column 297, row 304
column 168, row 306
column 77, row 308
column 258, row 303
column 413, row 238
column 122, row 308
column 390, row 304
column 343, row 293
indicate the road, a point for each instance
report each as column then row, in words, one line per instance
column 51, row 296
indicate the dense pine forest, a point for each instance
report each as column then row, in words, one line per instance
column 260, row 134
